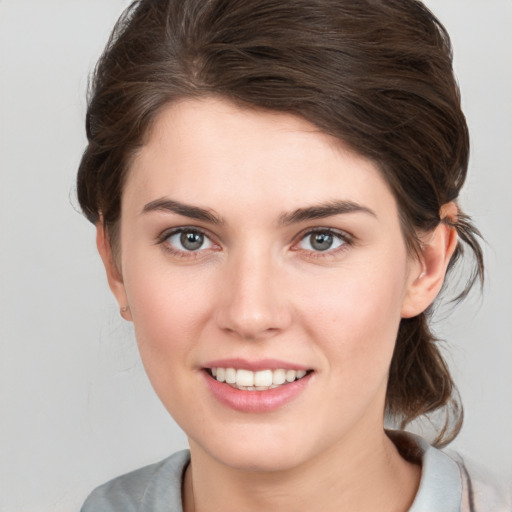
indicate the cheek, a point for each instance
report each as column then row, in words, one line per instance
column 168, row 308
column 356, row 315
column 169, row 311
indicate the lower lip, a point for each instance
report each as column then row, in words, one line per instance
column 255, row 401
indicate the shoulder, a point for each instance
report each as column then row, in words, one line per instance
column 150, row 488
column 450, row 482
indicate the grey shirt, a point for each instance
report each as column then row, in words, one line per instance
column 447, row 484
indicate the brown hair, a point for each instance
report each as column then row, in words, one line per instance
column 377, row 74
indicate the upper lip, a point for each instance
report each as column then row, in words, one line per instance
column 256, row 365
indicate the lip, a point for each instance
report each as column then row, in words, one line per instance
column 255, row 366
column 255, row 401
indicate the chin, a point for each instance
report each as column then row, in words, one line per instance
column 260, row 459
column 265, row 448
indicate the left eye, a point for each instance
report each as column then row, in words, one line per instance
column 321, row 241
column 189, row 240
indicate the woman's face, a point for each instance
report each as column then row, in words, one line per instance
column 253, row 243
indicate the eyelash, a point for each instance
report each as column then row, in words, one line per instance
column 345, row 239
column 166, row 235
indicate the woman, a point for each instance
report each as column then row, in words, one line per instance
column 274, row 186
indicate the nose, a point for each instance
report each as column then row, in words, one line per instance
column 253, row 301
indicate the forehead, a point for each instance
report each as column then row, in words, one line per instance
column 214, row 153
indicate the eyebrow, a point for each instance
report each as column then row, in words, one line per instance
column 193, row 212
column 324, row 210
column 319, row 211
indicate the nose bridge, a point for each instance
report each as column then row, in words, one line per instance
column 253, row 304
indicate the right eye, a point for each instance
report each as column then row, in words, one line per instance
column 185, row 240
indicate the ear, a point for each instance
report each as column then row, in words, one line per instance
column 114, row 276
column 429, row 269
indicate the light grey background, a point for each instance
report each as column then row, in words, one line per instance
column 75, row 406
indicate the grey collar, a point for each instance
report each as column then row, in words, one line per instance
column 440, row 487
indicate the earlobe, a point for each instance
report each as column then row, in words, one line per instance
column 114, row 275
column 427, row 275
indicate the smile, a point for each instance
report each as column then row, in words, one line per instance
column 262, row 380
column 257, row 386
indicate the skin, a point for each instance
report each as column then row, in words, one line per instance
column 258, row 289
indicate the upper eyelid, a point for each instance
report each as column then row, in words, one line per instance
column 163, row 241
column 344, row 235
column 346, row 238
column 319, row 229
column 166, row 233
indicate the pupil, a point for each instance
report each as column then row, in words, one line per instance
column 321, row 241
column 191, row 241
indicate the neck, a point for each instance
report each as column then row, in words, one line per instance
column 350, row 476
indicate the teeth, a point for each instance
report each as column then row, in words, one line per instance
column 230, row 375
column 279, row 377
column 263, row 378
column 256, row 381
column 291, row 375
column 244, row 378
